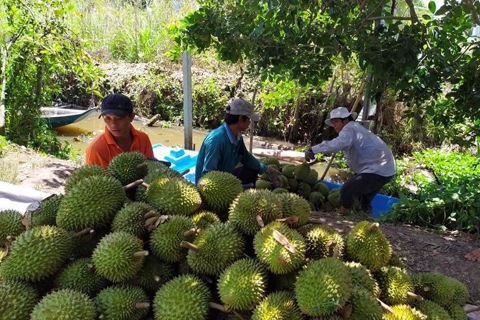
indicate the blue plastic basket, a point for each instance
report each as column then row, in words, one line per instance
column 381, row 204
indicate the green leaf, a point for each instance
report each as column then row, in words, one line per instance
column 432, row 6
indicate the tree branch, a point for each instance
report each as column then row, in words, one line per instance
column 471, row 6
column 390, row 18
column 413, row 13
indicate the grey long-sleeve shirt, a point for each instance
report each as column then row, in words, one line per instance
column 364, row 151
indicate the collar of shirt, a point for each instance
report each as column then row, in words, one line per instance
column 230, row 135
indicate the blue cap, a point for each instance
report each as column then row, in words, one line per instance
column 116, row 104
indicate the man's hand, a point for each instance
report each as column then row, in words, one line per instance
column 274, row 176
column 309, row 155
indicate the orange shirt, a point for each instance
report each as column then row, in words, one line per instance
column 104, row 148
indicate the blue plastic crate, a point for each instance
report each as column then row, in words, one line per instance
column 381, row 204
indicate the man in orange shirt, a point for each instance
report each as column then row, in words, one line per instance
column 120, row 135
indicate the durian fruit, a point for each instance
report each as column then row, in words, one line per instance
column 122, row 302
column 153, row 274
column 80, row 275
column 128, row 166
column 366, row 244
column 92, row 203
column 252, row 209
column 441, row 289
column 322, row 241
column 312, row 177
column 323, row 287
column 184, row 297
column 10, row 224
column 218, row 190
column 36, row 254
column 165, row 239
column 301, row 171
column 65, row 304
column 204, row 219
column 156, row 170
column 404, row 312
column 322, row 188
column 317, row 199
column 118, row 256
column 46, row 215
column 281, row 248
column 17, row 300
column 456, row 312
column 280, row 190
column 364, row 306
column 304, row 190
column 288, row 170
column 173, row 196
column 214, row 249
column 263, row 184
column 242, row 285
column 395, row 285
column 292, row 205
column 333, row 198
column 432, row 310
column 131, row 219
column 84, row 244
column 362, row 278
column 83, row 172
column 268, row 161
column 278, row 305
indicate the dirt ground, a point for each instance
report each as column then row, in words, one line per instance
column 421, row 250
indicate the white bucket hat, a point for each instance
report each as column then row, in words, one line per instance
column 340, row 113
column 243, row 108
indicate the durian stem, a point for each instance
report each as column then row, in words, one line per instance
column 149, row 214
column 373, row 226
column 289, row 220
column 259, row 220
column 146, row 185
column 142, row 165
column 284, row 241
column 189, row 245
column 472, row 309
column 140, row 254
column 90, row 268
column 346, row 312
column 142, row 305
column 190, row 232
column 217, row 306
column 151, row 221
column 26, row 223
column 82, row 232
column 156, row 278
column 184, row 172
column 133, row 184
column 414, row 296
column 385, row 306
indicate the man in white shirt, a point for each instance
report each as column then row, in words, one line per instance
column 366, row 154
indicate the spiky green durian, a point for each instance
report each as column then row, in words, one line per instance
column 153, row 275
column 294, row 206
column 46, row 215
column 118, row 256
column 80, row 275
column 312, row 177
column 188, row 289
column 322, row 188
column 128, row 166
column 36, row 254
column 65, row 304
column 432, row 310
column 293, row 184
column 301, row 171
column 440, row 288
column 165, row 239
column 83, row 172
column 368, row 245
column 363, row 278
column 456, row 312
column 263, row 184
column 317, row 199
column 131, row 219
column 156, row 170
column 280, row 190
column 17, row 300
column 252, row 205
column 214, row 249
column 173, row 196
column 204, row 219
column 333, row 198
column 91, row 203
column 218, row 190
column 271, row 161
column 322, row 241
column 404, row 312
column 281, row 248
column 304, row 190
column 122, row 302
column 277, row 306
column 323, row 287
column 10, row 224
column 288, row 170
column 242, row 285
column 364, row 306
column 395, row 285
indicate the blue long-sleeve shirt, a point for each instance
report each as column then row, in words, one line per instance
column 221, row 151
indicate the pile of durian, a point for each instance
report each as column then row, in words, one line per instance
column 138, row 241
column 303, row 180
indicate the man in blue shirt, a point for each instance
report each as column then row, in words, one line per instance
column 223, row 149
column 366, row 154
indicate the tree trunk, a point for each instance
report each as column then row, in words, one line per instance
column 296, row 121
column 3, row 80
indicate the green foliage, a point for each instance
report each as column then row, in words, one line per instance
column 447, row 198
